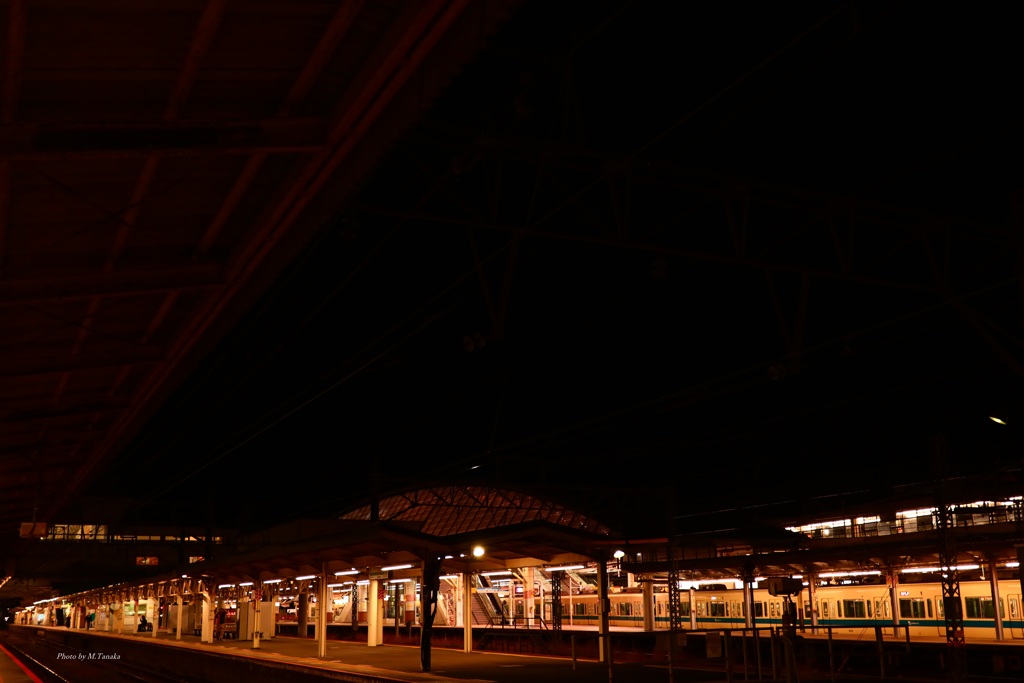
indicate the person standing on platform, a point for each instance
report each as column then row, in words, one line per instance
column 218, row 623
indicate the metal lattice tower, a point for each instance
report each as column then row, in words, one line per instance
column 951, row 603
column 556, row 600
column 674, row 611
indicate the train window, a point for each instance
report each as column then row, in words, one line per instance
column 871, row 612
column 625, row 609
column 928, row 604
column 1014, row 608
column 758, row 609
column 716, row 609
column 854, row 608
column 579, row 609
column 940, row 608
column 702, row 609
column 912, row 608
column 839, row 608
column 824, row 608
column 885, row 609
column 684, row 609
column 981, row 608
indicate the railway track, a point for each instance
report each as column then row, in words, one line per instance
column 53, row 663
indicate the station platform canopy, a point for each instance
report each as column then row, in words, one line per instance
column 513, row 529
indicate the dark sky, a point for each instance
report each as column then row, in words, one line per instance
column 707, row 255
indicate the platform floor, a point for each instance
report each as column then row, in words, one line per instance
column 402, row 663
column 13, row 672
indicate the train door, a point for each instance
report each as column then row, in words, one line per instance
column 1016, row 621
column 940, row 614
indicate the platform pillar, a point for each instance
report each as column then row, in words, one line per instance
column 894, row 602
column 529, row 613
column 466, row 590
column 993, row 582
column 812, row 597
column 303, row 615
column 648, row 588
column 208, row 611
column 177, row 627
column 154, row 619
column 321, row 614
column 604, row 649
column 374, row 616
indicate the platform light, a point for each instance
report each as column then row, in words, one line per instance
column 363, row 582
column 348, row 572
column 926, row 570
column 619, row 554
column 1012, row 565
column 478, row 551
column 245, row 583
column 396, row 566
column 273, row 581
column 399, row 580
column 500, row 572
column 307, row 577
column 996, row 420
column 450, row 577
column 226, row 585
column 564, row 568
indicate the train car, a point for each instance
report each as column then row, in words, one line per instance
column 846, row 609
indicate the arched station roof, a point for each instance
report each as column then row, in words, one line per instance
column 449, row 510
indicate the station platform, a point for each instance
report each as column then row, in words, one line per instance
column 12, row 671
column 354, row 661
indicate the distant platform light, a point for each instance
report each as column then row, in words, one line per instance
column 996, row 419
column 478, row 551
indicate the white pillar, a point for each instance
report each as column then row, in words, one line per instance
column 154, row 619
column 528, row 609
column 374, row 615
column 257, row 624
column 466, row 589
column 321, row 614
column 648, row 593
column 177, row 629
column 208, row 614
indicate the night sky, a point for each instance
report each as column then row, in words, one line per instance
column 645, row 256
